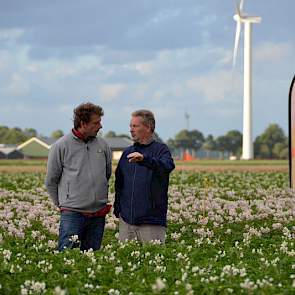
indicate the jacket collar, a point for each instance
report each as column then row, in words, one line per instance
column 145, row 144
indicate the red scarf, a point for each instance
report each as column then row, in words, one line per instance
column 78, row 134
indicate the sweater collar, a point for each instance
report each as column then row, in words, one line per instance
column 79, row 135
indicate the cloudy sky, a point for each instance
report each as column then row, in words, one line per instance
column 170, row 56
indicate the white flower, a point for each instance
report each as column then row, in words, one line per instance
column 113, row 292
column 7, row 254
column 155, row 242
column 31, row 287
column 159, row 285
column 247, row 284
column 74, row 238
column 51, row 244
column 59, row 291
column 88, row 286
column 118, row 269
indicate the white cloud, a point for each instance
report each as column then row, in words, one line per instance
column 165, row 15
column 109, row 92
column 144, row 68
column 33, row 68
column 166, row 112
column 273, row 52
column 65, row 108
column 208, row 20
column 18, row 85
column 63, row 70
column 4, row 60
column 10, row 34
column 141, row 91
column 216, row 86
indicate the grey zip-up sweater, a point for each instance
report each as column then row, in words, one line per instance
column 78, row 173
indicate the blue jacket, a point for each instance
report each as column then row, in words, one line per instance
column 142, row 188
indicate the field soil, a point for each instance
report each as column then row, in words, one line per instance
column 22, row 169
column 17, row 166
column 238, row 168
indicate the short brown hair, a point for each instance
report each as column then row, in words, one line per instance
column 84, row 111
column 148, row 118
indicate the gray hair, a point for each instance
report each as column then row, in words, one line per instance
column 148, row 118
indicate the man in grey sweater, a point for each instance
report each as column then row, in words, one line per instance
column 78, row 169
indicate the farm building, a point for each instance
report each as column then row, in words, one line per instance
column 10, row 152
column 118, row 145
column 36, row 148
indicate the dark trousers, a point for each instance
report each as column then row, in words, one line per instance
column 88, row 230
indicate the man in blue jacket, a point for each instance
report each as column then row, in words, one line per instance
column 142, row 180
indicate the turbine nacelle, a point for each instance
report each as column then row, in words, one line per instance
column 240, row 18
column 247, row 18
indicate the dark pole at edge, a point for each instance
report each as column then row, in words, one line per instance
column 290, row 131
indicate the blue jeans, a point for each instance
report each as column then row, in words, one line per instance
column 88, row 229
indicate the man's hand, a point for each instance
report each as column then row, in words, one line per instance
column 135, row 157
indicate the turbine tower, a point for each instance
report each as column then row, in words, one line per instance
column 247, row 20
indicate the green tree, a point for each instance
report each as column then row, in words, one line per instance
column 263, row 151
column 3, row 131
column 230, row 142
column 30, row 132
column 110, row 134
column 189, row 139
column 284, row 153
column 57, row 133
column 14, row 136
column 235, row 139
column 265, row 143
column 222, row 144
column 171, row 145
column 209, row 144
column 280, row 150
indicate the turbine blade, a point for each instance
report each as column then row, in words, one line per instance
column 237, row 38
column 238, row 11
column 241, row 5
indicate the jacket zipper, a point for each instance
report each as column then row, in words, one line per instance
column 68, row 190
column 132, row 195
column 90, row 172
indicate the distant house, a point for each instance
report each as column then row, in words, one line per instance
column 10, row 152
column 38, row 148
column 118, row 145
column 2, row 155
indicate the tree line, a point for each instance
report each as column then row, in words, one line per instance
column 17, row 135
column 271, row 144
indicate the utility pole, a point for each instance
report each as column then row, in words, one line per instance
column 187, row 116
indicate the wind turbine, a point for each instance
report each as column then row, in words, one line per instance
column 247, row 20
